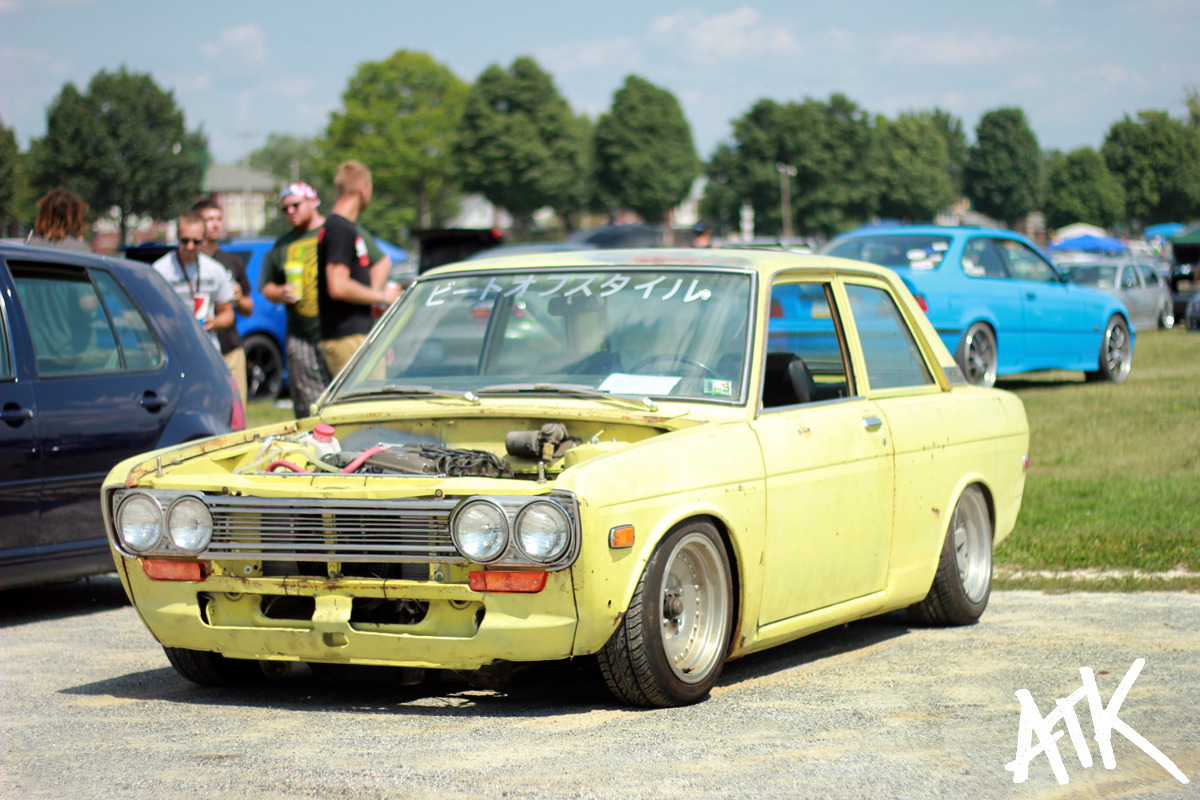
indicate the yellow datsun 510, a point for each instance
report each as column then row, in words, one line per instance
column 662, row 459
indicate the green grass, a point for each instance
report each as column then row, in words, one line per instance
column 1114, row 480
column 265, row 412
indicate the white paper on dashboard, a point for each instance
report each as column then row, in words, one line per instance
column 625, row 383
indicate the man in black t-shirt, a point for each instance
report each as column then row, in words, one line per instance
column 349, row 286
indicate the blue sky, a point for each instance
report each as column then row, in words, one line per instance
column 241, row 69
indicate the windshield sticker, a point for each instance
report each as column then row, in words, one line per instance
column 625, row 383
column 660, row 288
column 717, row 387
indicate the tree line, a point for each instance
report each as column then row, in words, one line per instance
column 430, row 137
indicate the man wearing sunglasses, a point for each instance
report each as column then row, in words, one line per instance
column 202, row 284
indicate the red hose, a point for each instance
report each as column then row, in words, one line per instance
column 358, row 462
column 281, row 463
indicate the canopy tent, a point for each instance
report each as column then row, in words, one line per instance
column 1187, row 246
column 1091, row 244
column 1077, row 229
column 1163, row 229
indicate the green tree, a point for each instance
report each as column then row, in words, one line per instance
column 9, row 171
column 950, row 128
column 645, row 156
column 1157, row 161
column 520, row 144
column 1002, row 171
column 914, row 178
column 1079, row 188
column 121, row 146
column 400, row 117
column 833, row 149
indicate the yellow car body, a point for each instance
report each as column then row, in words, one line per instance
column 685, row 526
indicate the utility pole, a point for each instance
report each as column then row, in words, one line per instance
column 786, row 172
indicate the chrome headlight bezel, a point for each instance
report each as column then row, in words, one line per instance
column 528, row 531
column 469, row 536
column 152, row 511
column 179, row 534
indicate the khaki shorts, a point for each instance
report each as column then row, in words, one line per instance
column 236, row 361
column 338, row 352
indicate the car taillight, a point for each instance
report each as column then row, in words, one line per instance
column 237, row 420
column 920, row 298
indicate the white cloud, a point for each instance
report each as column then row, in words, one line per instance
column 738, row 35
column 242, row 44
column 952, row 49
column 583, row 56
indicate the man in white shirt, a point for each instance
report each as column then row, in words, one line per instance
column 200, row 281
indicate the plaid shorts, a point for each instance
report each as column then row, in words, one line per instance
column 307, row 374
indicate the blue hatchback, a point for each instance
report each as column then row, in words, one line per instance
column 998, row 302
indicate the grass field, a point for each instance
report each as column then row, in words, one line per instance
column 1114, row 483
column 1113, row 490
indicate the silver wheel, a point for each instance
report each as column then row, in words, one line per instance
column 670, row 646
column 971, row 531
column 977, row 355
column 694, row 608
column 963, row 581
column 1166, row 317
column 1116, row 352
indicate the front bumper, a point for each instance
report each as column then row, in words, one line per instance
column 327, row 621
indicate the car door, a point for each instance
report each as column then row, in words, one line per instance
column 828, row 464
column 1059, row 329
column 20, row 471
column 992, row 295
column 102, row 390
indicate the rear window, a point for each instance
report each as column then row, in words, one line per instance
column 916, row 251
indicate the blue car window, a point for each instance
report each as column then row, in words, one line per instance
column 892, row 357
column 141, row 351
column 981, row 260
column 1024, row 263
column 66, row 321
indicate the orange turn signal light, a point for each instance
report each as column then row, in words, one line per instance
column 620, row 536
column 528, row 582
column 162, row 570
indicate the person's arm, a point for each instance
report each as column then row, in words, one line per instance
column 243, row 301
column 278, row 293
column 342, row 286
column 223, row 319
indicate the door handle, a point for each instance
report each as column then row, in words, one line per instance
column 14, row 415
column 872, row 423
column 152, row 402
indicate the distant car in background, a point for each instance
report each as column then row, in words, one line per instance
column 264, row 332
column 618, row 236
column 997, row 302
column 98, row 361
column 1135, row 283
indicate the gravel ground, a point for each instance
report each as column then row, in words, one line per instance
column 89, row 708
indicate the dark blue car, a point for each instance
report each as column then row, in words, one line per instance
column 998, row 302
column 99, row 361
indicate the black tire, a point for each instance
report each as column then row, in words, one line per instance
column 213, row 669
column 1116, row 352
column 264, row 367
column 977, row 355
column 963, row 582
column 671, row 645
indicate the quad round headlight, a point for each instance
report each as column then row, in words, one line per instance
column 189, row 524
column 139, row 522
column 480, row 531
column 543, row 532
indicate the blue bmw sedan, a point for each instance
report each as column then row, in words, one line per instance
column 997, row 302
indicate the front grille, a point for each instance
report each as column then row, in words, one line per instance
column 331, row 530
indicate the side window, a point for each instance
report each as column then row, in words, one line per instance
column 71, row 327
column 138, row 345
column 1024, row 263
column 805, row 358
column 6, row 357
column 1149, row 276
column 980, row 260
column 1129, row 278
column 892, row 356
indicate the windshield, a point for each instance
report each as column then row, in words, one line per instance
column 918, row 251
column 658, row 332
column 1101, row 277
